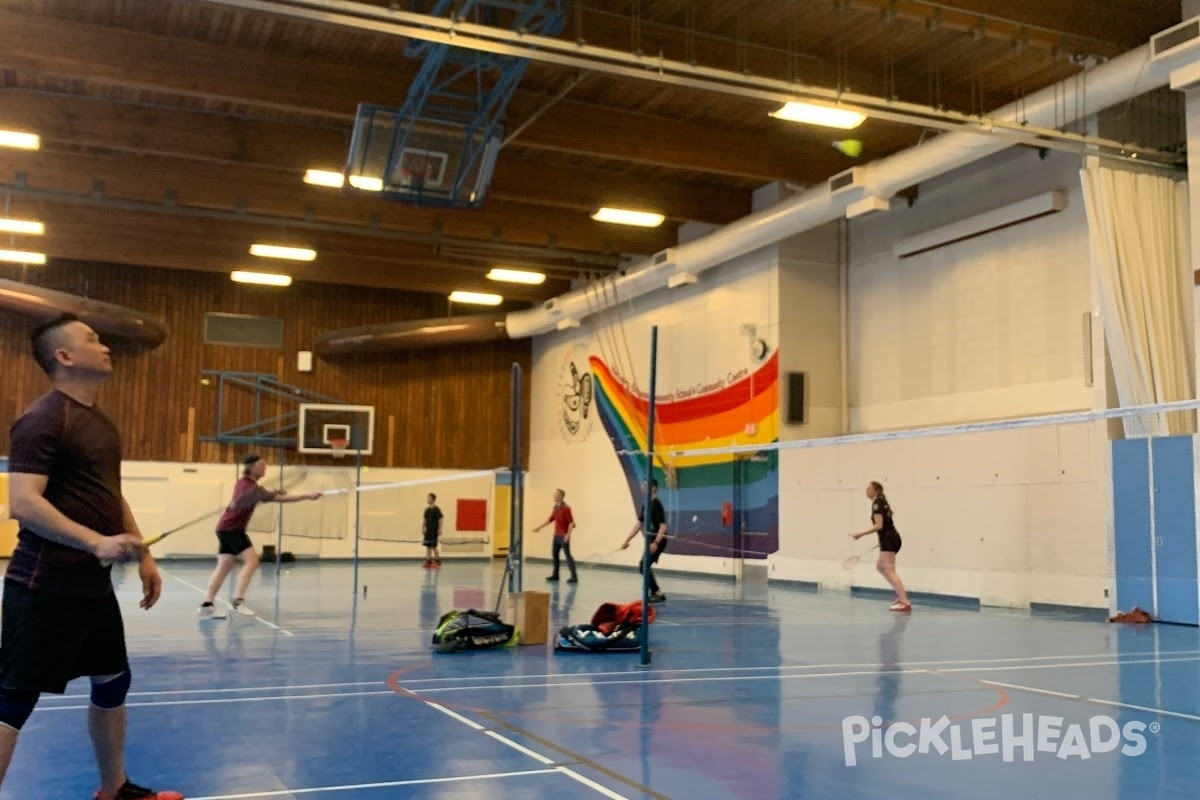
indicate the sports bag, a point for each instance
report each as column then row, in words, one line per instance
column 472, row 630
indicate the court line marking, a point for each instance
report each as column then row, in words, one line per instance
column 520, row 748
column 421, row 693
column 202, row 592
column 621, row 672
column 785, row 677
column 1097, row 700
column 912, row 666
column 380, row 785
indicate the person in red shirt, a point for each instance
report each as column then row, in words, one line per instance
column 564, row 523
column 231, row 534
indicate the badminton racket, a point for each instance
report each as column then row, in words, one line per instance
column 598, row 559
column 852, row 561
column 153, row 540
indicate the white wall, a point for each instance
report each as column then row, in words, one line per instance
column 166, row 495
column 699, row 343
column 990, row 328
column 983, row 329
column 1009, row 517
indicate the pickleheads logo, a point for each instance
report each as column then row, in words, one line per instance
column 1004, row 737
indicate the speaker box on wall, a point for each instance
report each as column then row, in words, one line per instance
column 796, row 405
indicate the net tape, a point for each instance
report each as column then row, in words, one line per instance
column 1159, row 410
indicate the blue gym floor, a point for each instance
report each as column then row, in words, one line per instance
column 335, row 696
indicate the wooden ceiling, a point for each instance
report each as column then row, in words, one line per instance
column 177, row 132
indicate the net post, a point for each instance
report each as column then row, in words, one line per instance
column 279, row 519
column 647, row 522
column 357, row 507
column 515, row 543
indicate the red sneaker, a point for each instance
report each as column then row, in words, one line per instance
column 131, row 791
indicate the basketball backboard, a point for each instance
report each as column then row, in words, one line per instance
column 321, row 423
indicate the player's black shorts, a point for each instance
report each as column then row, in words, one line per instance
column 233, row 543
column 49, row 639
column 889, row 542
column 429, row 540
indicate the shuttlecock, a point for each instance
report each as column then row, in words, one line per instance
column 849, row 147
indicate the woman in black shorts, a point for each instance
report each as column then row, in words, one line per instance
column 889, row 543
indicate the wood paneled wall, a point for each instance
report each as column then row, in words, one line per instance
column 439, row 408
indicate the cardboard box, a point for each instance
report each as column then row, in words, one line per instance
column 530, row 612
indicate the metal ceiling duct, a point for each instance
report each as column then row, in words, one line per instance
column 411, row 335
column 105, row 318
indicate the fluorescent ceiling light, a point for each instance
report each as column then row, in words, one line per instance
column 366, row 184
column 516, row 276
column 261, row 278
column 476, row 298
column 622, row 216
column 19, row 140
column 813, row 114
column 324, row 177
column 277, row 251
column 22, row 257
column 335, row 180
column 23, row 226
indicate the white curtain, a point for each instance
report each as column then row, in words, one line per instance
column 1138, row 226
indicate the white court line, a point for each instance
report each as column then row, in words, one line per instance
column 519, row 748
column 275, row 688
column 789, row 677
column 782, row 667
column 216, row 700
column 454, row 715
column 467, row 678
column 382, row 785
column 570, row 773
column 202, row 592
column 421, row 693
column 526, row 751
column 1114, row 703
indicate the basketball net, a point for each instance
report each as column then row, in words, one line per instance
column 339, row 447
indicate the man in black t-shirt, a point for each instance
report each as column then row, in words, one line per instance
column 60, row 619
column 431, row 529
column 658, row 530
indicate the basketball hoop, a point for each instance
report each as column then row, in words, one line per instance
column 339, row 447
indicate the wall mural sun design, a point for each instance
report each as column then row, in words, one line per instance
column 719, row 505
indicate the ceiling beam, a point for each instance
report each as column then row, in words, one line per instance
column 123, row 237
column 109, row 56
column 293, row 148
column 181, row 184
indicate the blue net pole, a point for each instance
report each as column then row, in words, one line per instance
column 357, row 508
column 647, row 521
column 515, row 543
column 279, row 519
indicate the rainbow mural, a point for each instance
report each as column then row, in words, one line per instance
column 719, row 505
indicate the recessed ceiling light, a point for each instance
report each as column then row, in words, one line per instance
column 261, row 278
column 363, row 183
column 623, row 216
column 324, row 177
column 20, row 140
column 279, row 251
column 814, row 114
column 476, row 298
column 26, row 227
column 22, row 257
column 516, row 276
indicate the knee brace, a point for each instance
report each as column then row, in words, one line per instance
column 111, row 693
column 15, row 707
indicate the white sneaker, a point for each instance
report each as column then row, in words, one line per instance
column 240, row 606
column 211, row 612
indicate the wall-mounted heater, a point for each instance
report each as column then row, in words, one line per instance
column 1043, row 204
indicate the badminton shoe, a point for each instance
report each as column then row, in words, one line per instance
column 209, row 611
column 131, row 791
column 239, row 605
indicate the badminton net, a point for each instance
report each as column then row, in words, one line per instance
column 396, row 511
column 1012, row 512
